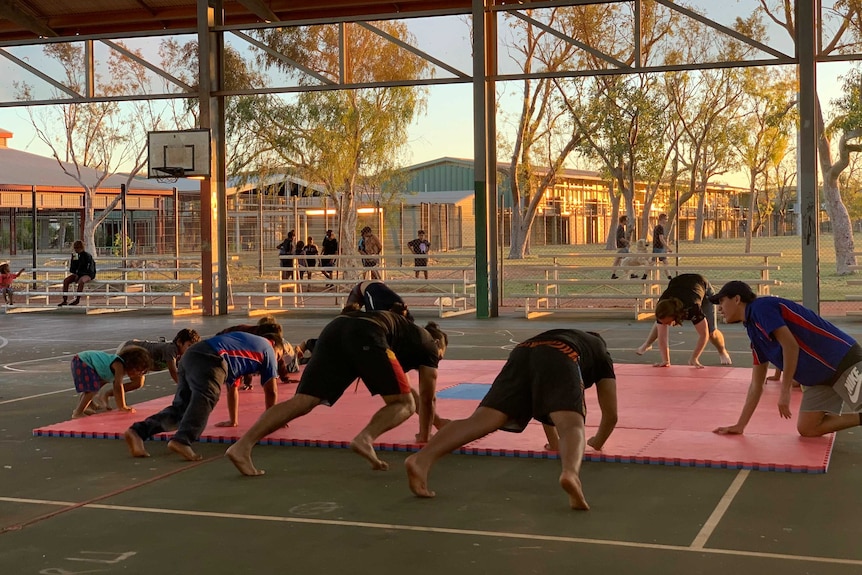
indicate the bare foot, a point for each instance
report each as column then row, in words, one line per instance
column 643, row 349
column 725, row 359
column 79, row 414
column 661, row 364
column 183, row 450
column 226, row 424
column 366, row 450
column 417, row 478
column 135, row 443
column 773, row 378
column 571, row 484
column 242, row 461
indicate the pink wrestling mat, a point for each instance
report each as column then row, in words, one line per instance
column 666, row 418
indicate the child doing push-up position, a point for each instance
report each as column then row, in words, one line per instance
column 93, row 369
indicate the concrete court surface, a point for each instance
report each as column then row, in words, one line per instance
column 85, row 506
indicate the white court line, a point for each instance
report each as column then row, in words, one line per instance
column 720, row 509
column 37, row 395
column 421, row 529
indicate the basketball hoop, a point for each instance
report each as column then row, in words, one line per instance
column 171, row 174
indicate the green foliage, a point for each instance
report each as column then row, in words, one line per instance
column 117, row 245
column 848, row 106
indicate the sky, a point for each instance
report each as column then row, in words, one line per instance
column 446, row 128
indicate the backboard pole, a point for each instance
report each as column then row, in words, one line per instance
column 212, row 194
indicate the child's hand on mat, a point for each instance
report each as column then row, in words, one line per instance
column 729, row 430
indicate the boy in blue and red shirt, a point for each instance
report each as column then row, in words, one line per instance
column 204, row 367
column 807, row 348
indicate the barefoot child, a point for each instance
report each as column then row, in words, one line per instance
column 165, row 355
column 6, row 279
column 204, row 368
column 93, row 369
column 686, row 298
column 544, row 378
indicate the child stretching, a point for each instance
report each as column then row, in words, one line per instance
column 6, row 279
column 165, row 355
column 93, row 369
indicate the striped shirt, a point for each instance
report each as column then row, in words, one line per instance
column 822, row 345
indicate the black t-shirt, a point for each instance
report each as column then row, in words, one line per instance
column 622, row 240
column 691, row 290
column 83, row 264
column 595, row 362
column 411, row 344
column 658, row 237
column 330, row 246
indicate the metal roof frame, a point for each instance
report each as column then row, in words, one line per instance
column 33, row 22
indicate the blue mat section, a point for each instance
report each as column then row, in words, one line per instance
column 465, row 391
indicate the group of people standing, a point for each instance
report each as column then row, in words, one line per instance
column 290, row 253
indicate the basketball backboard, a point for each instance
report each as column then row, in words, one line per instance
column 178, row 153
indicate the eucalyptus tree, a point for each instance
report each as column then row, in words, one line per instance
column 626, row 128
column 706, row 103
column 840, row 34
column 90, row 141
column 768, row 130
column 602, row 35
column 543, row 135
column 349, row 140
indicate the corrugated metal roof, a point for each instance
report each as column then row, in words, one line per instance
column 26, row 169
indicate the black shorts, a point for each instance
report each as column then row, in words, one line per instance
column 535, row 382
column 351, row 347
column 421, row 263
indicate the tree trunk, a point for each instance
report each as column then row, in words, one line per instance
column 842, row 228
column 699, row 222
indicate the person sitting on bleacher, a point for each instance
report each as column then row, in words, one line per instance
column 82, row 269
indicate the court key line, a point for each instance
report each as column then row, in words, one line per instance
column 444, row 530
column 720, row 509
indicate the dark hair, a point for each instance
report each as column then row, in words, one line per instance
column 420, row 232
column 267, row 319
column 624, row 218
column 365, row 230
column 265, row 329
column 671, row 307
column 437, row 333
column 187, row 335
column 309, row 344
column 275, row 338
column 137, row 358
column 4, row 268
